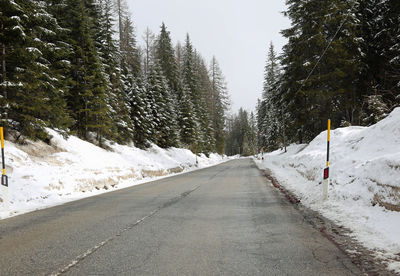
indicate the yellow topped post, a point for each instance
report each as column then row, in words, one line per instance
column 2, row 137
column 329, row 139
column 4, row 180
column 329, row 130
column 2, row 149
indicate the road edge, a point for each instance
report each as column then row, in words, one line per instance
column 340, row 236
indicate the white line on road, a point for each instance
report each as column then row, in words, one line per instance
column 129, row 227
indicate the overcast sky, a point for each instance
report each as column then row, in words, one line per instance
column 237, row 32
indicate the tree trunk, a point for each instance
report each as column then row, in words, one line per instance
column 120, row 23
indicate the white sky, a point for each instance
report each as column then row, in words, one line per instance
column 237, row 32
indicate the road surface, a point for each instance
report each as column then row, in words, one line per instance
column 223, row 220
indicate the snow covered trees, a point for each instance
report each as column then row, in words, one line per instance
column 241, row 134
column 380, row 28
column 64, row 66
column 323, row 40
column 32, row 88
column 268, row 115
column 219, row 102
column 341, row 62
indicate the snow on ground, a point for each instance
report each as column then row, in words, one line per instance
column 42, row 175
column 365, row 178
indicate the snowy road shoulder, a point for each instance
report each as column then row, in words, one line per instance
column 42, row 175
column 365, row 188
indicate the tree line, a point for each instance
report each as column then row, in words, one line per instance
column 76, row 66
column 341, row 61
column 241, row 134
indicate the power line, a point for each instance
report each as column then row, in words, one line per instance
column 327, row 47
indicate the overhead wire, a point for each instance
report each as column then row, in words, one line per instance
column 327, row 47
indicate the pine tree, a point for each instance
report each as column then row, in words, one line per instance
column 376, row 110
column 260, row 109
column 121, row 129
column 206, row 139
column 380, row 53
column 63, row 68
column 133, row 84
column 32, row 91
column 191, row 90
column 219, row 104
column 165, row 55
column 13, row 37
column 86, row 97
column 268, row 115
column 330, row 90
column 241, row 134
column 186, row 118
column 252, row 134
column 140, row 112
column 58, row 57
column 162, row 109
column 130, row 55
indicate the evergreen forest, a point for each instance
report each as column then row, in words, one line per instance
column 76, row 66
column 341, row 62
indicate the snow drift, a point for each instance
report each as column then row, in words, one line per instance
column 364, row 193
column 42, row 175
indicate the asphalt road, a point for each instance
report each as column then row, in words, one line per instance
column 223, row 220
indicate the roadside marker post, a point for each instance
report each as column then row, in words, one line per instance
column 325, row 182
column 4, row 178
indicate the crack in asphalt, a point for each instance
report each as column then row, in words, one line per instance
column 92, row 250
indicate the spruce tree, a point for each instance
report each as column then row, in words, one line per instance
column 329, row 91
column 130, row 55
column 191, row 91
column 13, row 37
column 120, row 128
column 260, row 108
column 140, row 112
column 162, row 109
column 206, row 141
column 165, row 55
column 241, row 134
column 86, row 97
column 269, row 115
column 380, row 77
column 32, row 88
column 186, row 118
column 219, row 104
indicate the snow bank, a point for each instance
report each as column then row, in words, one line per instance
column 42, row 175
column 365, row 181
